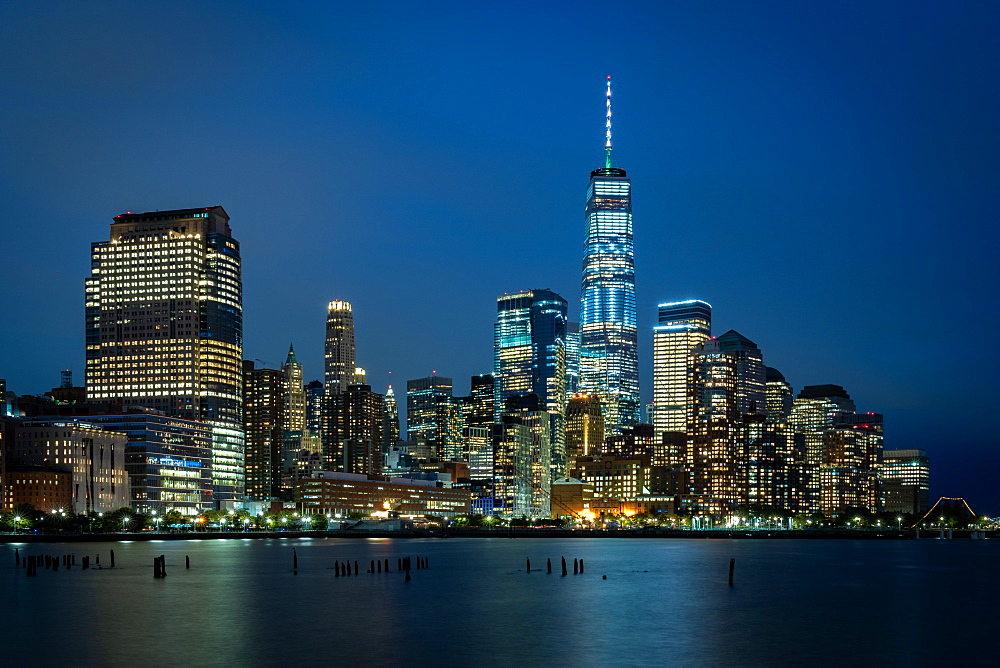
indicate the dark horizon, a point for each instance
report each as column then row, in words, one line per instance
column 823, row 176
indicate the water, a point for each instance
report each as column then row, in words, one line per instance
column 665, row 602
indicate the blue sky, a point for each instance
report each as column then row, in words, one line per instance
column 824, row 174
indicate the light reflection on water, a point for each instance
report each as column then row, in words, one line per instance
column 665, row 602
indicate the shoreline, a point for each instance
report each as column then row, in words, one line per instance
column 706, row 534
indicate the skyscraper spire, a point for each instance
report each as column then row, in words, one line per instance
column 609, row 364
column 607, row 129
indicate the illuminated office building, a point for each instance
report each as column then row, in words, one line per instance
column 295, row 393
column 429, row 410
column 478, row 409
column 529, row 358
column 340, row 355
column 390, row 420
column 168, row 460
column 609, row 365
column 164, row 326
column 682, row 326
column 905, row 478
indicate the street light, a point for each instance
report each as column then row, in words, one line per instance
column 125, row 521
column 17, row 520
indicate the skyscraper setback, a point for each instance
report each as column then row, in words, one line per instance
column 164, row 325
column 609, row 365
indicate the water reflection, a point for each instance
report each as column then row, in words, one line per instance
column 663, row 602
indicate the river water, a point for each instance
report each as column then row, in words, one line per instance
column 664, row 602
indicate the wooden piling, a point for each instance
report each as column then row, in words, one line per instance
column 371, row 568
column 581, row 564
column 163, row 566
column 576, row 567
column 112, row 558
column 732, row 567
column 379, row 564
column 564, row 565
column 355, row 567
column 17, row 556
column 187, row 561
column 528, row 567
column 548, row 565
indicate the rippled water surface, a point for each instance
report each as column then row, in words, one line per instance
column 664, row 602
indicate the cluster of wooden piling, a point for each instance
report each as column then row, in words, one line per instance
column 578, row 567
column 32, row 563
column 375, row 566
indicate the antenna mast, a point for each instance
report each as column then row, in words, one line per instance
column 607, row 129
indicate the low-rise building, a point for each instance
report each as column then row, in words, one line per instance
column 341, row 494
column 43, row 488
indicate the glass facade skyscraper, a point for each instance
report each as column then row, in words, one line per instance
column 529, row 357
column 609, row 365
column 682, row 326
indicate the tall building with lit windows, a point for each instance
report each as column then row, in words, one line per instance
column 340, row 356
column 609, row 365
column 529, row 357
column 164, row 326
column 682, row 326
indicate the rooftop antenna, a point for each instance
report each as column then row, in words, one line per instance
column 607, row 129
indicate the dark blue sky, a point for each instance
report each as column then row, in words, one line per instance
column 822, row 174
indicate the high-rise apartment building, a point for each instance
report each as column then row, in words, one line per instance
column 164, row 325
column 609, row 365
column 340, row 356
column 682, row 326
column 265, row 413
column 353, row 443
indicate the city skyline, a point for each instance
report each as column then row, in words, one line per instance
column 811, row 198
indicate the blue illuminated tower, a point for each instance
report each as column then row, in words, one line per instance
column 609, row 365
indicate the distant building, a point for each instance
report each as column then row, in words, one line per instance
column 164, row 326
column 571, row 497
column 168, row 460
column 43, row 488
column 529, row 358
column 728, row 409
column 94, row 457
column 265, row 397
column 584, row 427
column 340, row 355
column 433, row 414
column 609, row 365
column 905, row 478
column 682, row 326
column 353, row 442
column 344, row 494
